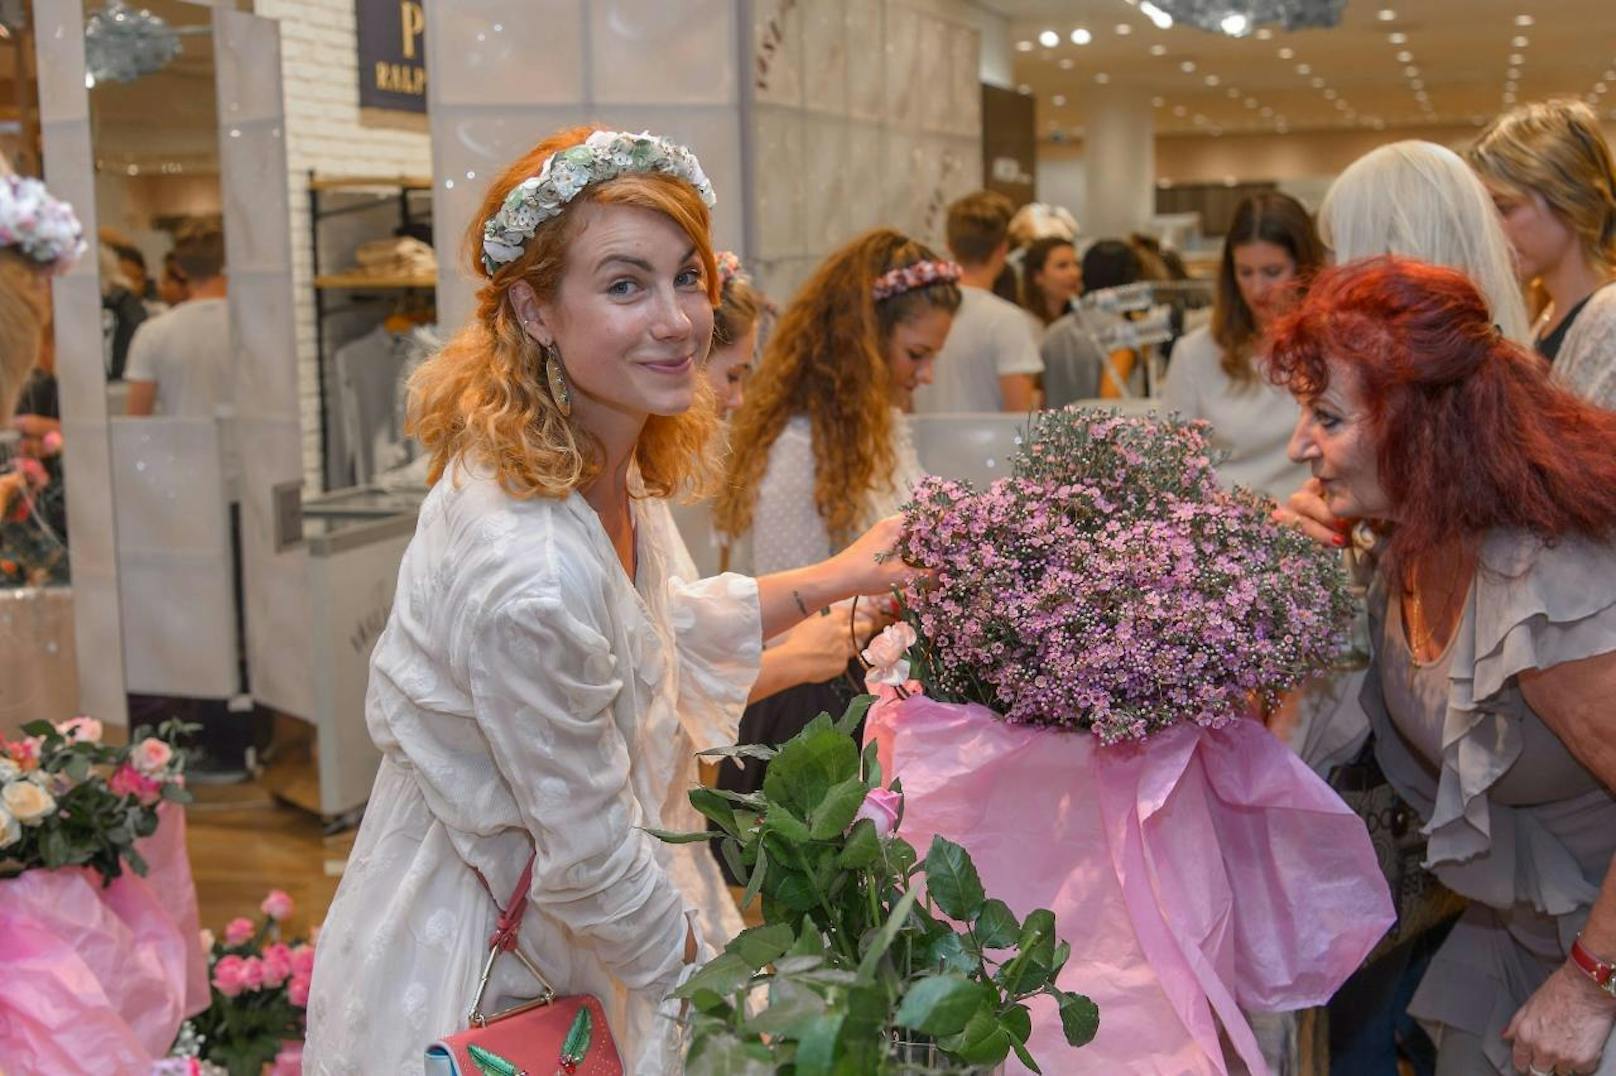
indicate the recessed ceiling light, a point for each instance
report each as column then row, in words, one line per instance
column 1405, row 57
column 1102, row 78
column 1049, row 39
column 1329, row 95
column 1158, row 102
column 1023, row 46
column 1059, row 100
column 1234, row 93
column 1024, row 89
column 1318, row 82
column 1080, row 36
column 1516, row 59
column 1599, row 87
column 1399, row 38
column 1124, row 29
column 1267, row 111
column 1251, row 102
column 1180, row 111
column 1524, row 20
column 1341, row 106
column 1067, row 63
column 1287, row 53
column 1158, row 50
column 1265, row 34
column 1511, row 87
column 1304, row 69
column 1411, row 71
column 1235, row 24
column 1188, row 67
column 1416, row 83
column 1156, row 15
column 1520, row 42
column 1509, row 99
column 1385, row 14
column 1213, row 80
column 1513, row 72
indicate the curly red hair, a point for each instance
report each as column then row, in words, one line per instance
column 1471, row 434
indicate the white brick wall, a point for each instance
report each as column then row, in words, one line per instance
column 320, row 71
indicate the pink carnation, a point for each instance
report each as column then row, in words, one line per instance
column 239, row 931
column 303, row 960
column 297, row 991
column 252, row 973
column 229, row 976
column 128, row 781
column 278, row 905
column 277, row 965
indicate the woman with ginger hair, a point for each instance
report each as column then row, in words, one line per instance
column 549, row 666
column 1493, row 631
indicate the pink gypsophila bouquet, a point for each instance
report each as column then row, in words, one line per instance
column 1111, row 584
column 260, row 992
column 69, row 800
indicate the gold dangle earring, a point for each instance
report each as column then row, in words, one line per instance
column 556, row 375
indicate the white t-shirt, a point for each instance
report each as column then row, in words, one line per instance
column 1252, row 422
column 187, row 352
column 990, row 339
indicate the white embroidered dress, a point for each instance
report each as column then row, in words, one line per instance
column 526, row 693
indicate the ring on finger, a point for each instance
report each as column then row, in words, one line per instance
column 1533, row 1070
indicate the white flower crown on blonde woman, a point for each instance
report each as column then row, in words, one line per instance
column 603, row 155
column 42, row 228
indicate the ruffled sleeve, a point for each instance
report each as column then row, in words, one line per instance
column 1534, row 606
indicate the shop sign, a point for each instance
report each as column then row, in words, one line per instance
column 392, row 54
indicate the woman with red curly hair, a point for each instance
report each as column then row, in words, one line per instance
column 1494, row 628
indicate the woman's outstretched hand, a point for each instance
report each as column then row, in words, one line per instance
column 1305, row 509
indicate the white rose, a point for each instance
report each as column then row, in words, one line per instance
column 10, row 829
column 28, row 802
column 9, row 770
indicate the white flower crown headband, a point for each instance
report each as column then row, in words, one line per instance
column 917, row 275
column 41, row 228
column 603, row 155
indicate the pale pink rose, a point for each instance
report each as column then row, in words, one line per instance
column 252, row 973
column 278, row 905
column 128, row 781
column 277, row 965
column 297, row 991
column 239, row 931
column 151, row 755
column 303, row 960
column 881, row 807
column 80, row 730
column 228, row 976
column 888, row 655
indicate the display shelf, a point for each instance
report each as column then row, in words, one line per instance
column 359, row 281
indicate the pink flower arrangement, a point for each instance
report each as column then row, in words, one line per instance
column 128, row 781
column 278, row 906
column 1111, row 584
column 261, row 990
column 239, row 931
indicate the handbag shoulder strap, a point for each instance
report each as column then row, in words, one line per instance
column 509, row 922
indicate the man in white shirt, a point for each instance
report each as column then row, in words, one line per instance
column 990, row 361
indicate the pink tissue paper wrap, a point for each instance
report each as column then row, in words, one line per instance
column 1202, row 871
column 99, row 979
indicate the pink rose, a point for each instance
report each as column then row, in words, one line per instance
column 297, row 991
column 252, row 973
column 303, row 961
column 239, row 931
column 881, row 807
column 888, row 655
column 278, row 906
column 128, row 781
column 80, row 730
column 277, row 965
column 25, row 752
column 151, row 755
column 228, row 976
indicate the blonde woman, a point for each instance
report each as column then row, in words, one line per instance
column 1420, row 200
column 550, row 663
column 1552, row 177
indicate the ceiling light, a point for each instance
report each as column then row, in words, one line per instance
column 1509, row 99
column 1411, row 71
column 1158, row 102
column 1023, row 46
column 1513, row 72
column 1180, row 111
column 1417, row 84
column 1265, row 34
column 1511, row 87
column 1158, row 50
column 1188, row 67
column 1124, row 29
column 1251, row 102
column 1156, row 15
column 1212, row 80
column 1341, row 106
column 1317, row 82
column 1067, row 63
column 1267, row 111
column 1304, row 69
column 1399, row 38
column 1385, row 14
column 1599, row 87
column 1235, row 24
column 1234, row 93
column 1059, row 100
column 1287, row 53
column 1520, row 42
column 1405, row 57
column 1080, row 36
column 1516, row 59
column 1329, row 95
column 1102, row 78
column 1049, row 39
column 1524, row 20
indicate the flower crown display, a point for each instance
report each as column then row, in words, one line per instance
column 42, row 228
column 603, row 155
column 921, row 274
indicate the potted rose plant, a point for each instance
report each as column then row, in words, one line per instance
column 870, row 958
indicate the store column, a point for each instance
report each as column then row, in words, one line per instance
column 1119, row 162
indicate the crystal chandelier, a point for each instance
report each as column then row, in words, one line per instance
column 123, row 44
column 1237, row 18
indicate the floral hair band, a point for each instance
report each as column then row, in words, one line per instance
column 920, row 274
column 41, row 228
column 729, row 268
column 603, row 155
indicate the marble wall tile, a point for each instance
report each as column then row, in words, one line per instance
column 904, row 181
column 713, row 134
column 866, row 164
column 651, row 50
column 484, row 55
column 933, row 77
column 251, row 155
column 826, row 181
column 965, row 113
column 825, row 56
column 266, row 375
column 866, row 60
column 80, row 363
column 59, row 41
column 904, row 89
column 248, row 69
column 777, row 52
column 780, row 181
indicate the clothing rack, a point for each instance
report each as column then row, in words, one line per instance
column 360, row 289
